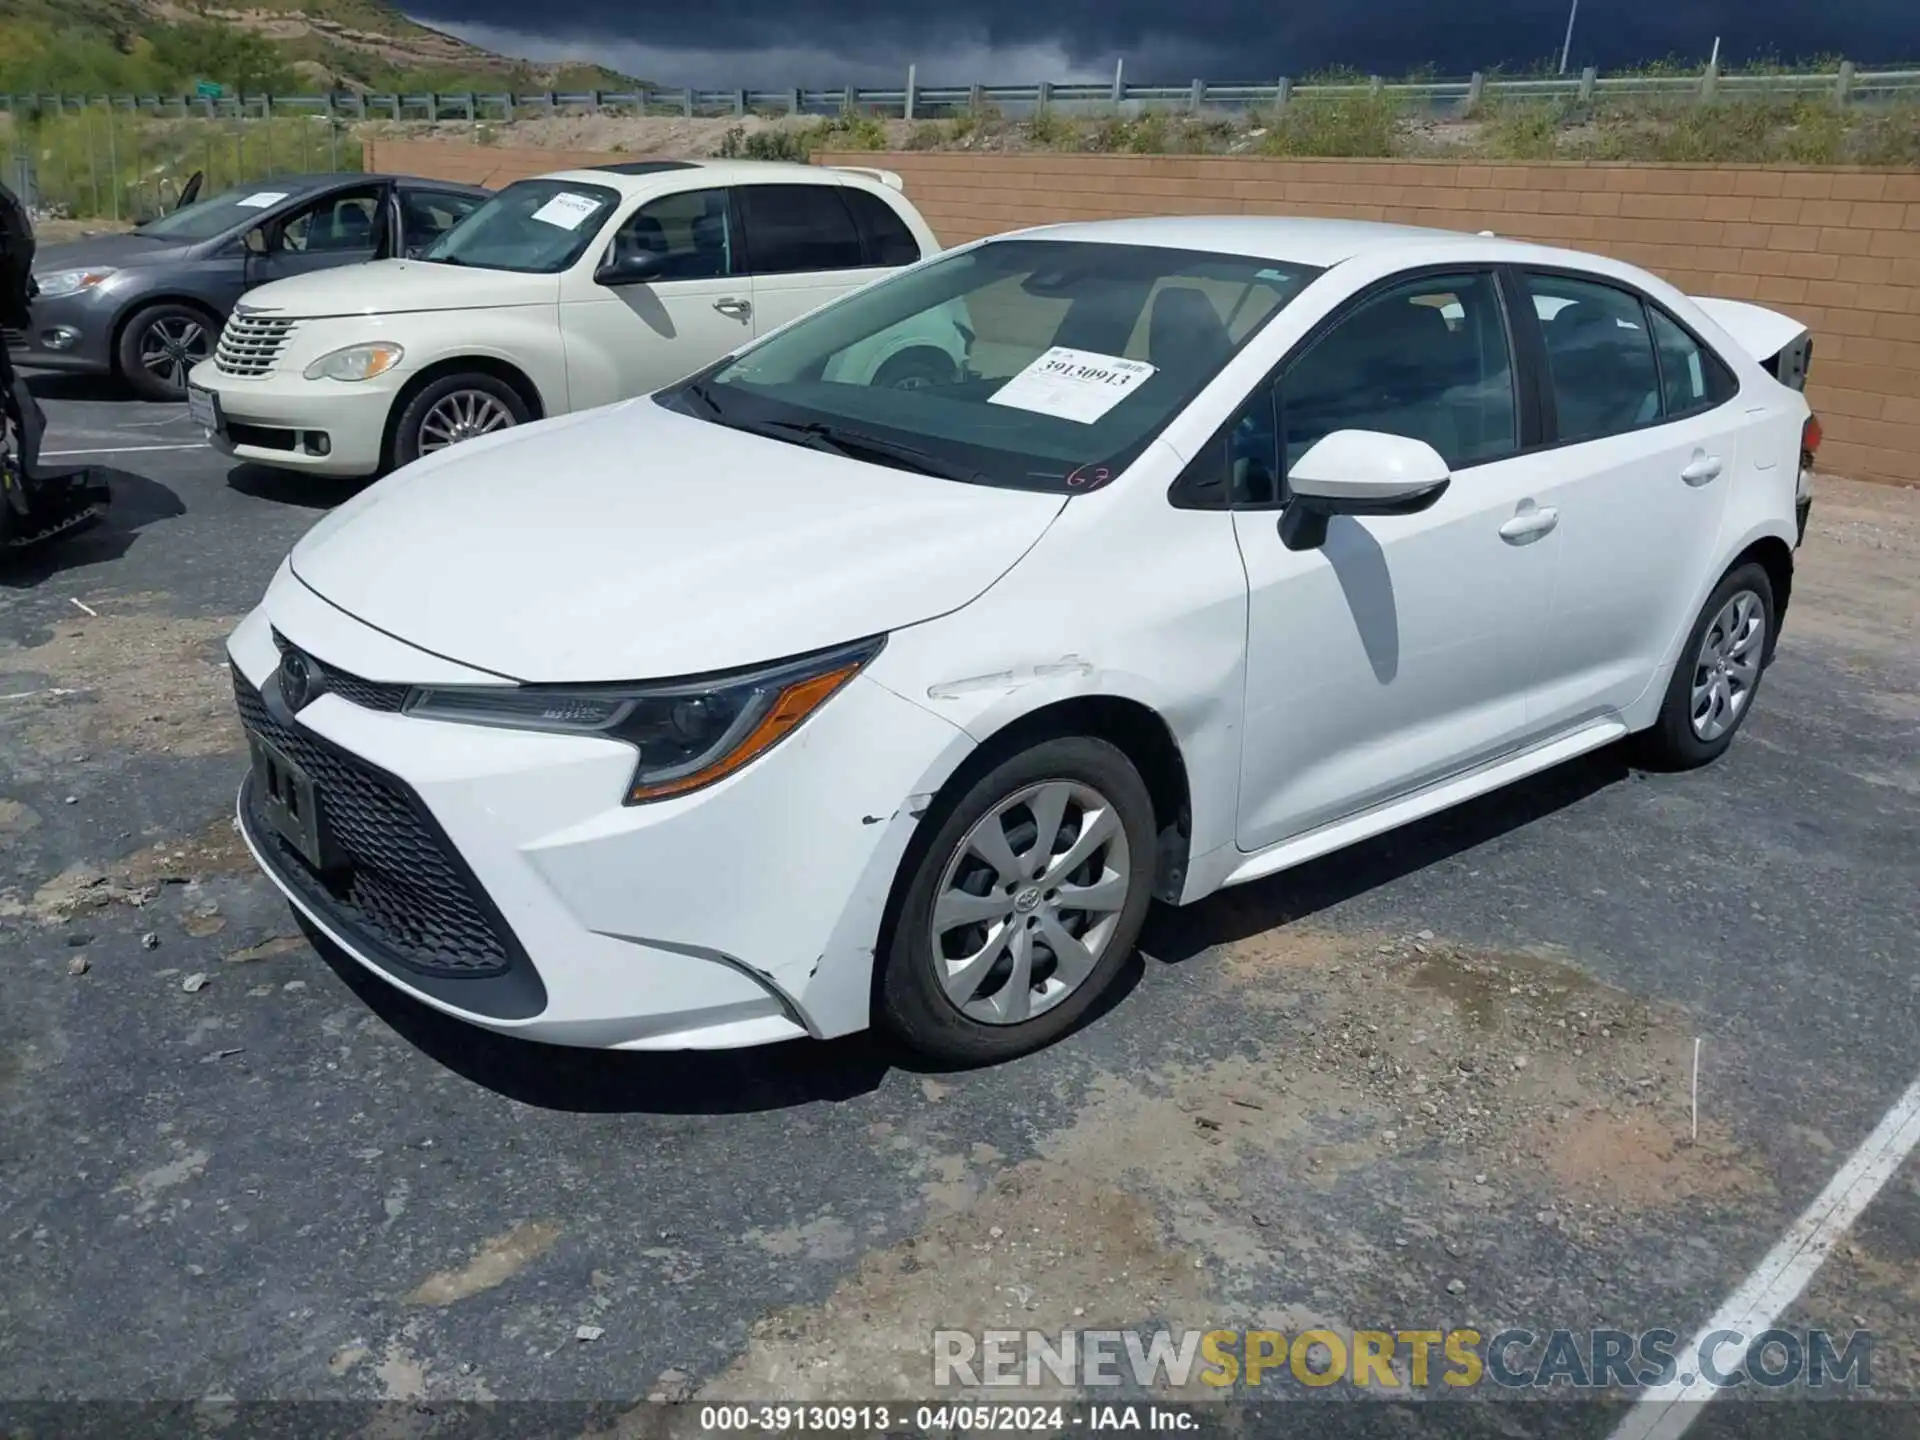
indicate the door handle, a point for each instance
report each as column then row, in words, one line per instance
column 1701, row 469
column 1529, row 524
column 734, row 309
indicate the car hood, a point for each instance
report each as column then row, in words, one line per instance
column 115, row 250
column 391, row 287
column 633, row 542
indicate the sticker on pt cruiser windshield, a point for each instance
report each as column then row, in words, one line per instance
column 260, row 200
column 1080, row 385
column 566, row 210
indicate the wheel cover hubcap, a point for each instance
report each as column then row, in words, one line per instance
column 1728, row 665
column 461, row 416
column 1029, row 901
column 170, row 348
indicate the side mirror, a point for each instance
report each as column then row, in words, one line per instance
column 632, row 269
column 255, row 240
column 1359, row 472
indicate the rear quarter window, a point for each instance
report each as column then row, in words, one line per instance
column 883, row 234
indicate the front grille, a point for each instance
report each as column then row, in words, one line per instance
column 403, row 892
column 382, row 695
column 251, row 343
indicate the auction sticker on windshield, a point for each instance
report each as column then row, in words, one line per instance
column 566, row 210
column 261, row 200
column 1079, row 385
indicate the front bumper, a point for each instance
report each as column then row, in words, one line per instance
column 279, row 419
column 70, row 333
column 511, row 888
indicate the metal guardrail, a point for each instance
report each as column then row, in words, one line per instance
column 1845, row 86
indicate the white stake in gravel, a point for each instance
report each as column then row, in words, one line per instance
column 1696, row 1088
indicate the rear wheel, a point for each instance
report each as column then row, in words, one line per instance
column 160, row 345
column 1718, row 674
column 1024, row 906
column 455, row 408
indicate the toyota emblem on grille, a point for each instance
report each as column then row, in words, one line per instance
column 301, row 679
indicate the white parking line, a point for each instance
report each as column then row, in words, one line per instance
column 1666, row 1412
column 119, row 450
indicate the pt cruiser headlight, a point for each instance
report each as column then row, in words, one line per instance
column 72, row 282
column 689, row 733
column 357, row 362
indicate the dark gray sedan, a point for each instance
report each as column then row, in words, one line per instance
column 148, row 305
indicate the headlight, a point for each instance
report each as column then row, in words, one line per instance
column 357, row 362
column 689, row 733
column 71, row 282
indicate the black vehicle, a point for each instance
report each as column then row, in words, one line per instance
column 148, row 305
column 34, row 507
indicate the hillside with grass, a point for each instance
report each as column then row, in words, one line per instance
column 167, row 46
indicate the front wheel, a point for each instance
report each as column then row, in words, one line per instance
column 160, row 346
column 1718, row 673
column 917, row 369
column 1023, row 907
column 455, row 408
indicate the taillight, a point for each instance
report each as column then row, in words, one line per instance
column 1810, row 437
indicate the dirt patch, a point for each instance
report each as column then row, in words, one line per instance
column 16, row 819
column 1857, row 582
column 137, row 880
column 497, row 1261
column 1043, row 1248
column 129, row 677
column 1419, row 1100
column 267, row 949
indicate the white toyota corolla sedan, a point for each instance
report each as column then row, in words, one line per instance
column 774, row 705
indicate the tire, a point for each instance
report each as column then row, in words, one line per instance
column 160, row 344
column 915, row 369
column 488, row 404
column 1083, row 778
column 1725, row 656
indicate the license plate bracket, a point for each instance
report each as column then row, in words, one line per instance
column 291, row 802
column 203, row 408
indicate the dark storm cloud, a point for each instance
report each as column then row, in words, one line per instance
column 1167, row 40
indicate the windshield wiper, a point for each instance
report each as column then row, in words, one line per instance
column 858, row 444
column 697, row 392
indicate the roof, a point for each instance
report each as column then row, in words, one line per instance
column 1292, row 239
column 632, row 176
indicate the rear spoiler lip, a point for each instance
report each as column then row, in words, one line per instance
column 889, row 178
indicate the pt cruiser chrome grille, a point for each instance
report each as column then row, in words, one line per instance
column 251, row 343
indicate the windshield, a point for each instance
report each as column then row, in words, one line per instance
column 216, row 215
column 538, row 227
column 1036, row 364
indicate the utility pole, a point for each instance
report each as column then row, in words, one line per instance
column 1566, row 45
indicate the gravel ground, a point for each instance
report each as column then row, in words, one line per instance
column 1440, row 1079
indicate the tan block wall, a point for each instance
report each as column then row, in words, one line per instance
column 1837, row 249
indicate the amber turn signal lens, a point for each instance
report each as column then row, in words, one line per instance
column 793, row 705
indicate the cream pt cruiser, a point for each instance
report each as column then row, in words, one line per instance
column 561, row 293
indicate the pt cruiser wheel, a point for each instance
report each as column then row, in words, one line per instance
column 1718, row 673
column 1024, row 906
column 455, row 408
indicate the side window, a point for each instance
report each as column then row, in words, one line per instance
column 342, row 221
column 690, row 232
column 1691, row 377
column 887, row 239
column 426, row 215
column 1599, row 356
column 1426, row 359
column 1242, row 464
column 794, row 228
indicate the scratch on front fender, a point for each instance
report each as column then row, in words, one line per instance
column 1010, row 679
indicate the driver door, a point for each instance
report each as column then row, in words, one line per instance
column 626, row 340
column 1404, row 648
column 342, row 227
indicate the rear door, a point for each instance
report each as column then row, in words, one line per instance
column 626, row 340
column 1645, row 438
column 802, row 248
